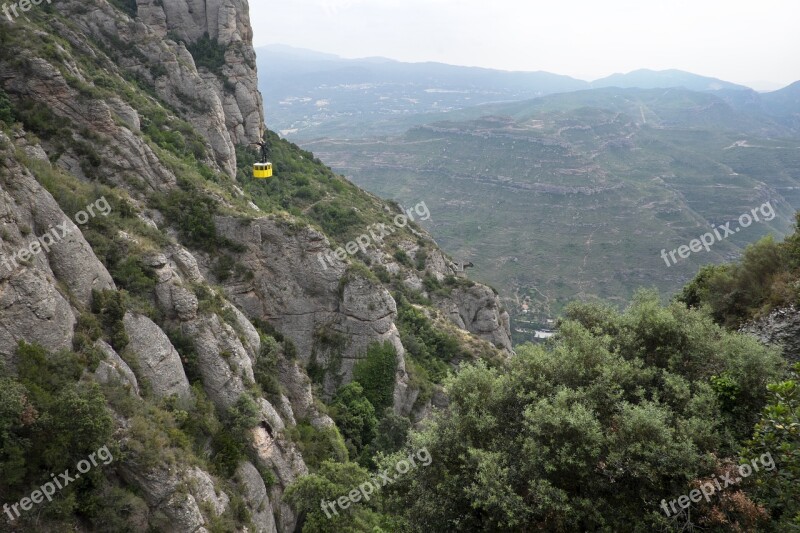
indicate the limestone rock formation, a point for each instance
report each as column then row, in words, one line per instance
column 113, row 370
column 477, row 309
column 179, row 494
column 306, row 300
column 32, row 266
column 158, row 361
column 255, row 495
column 780, row 328
column 123, row 101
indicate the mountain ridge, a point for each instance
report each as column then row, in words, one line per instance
column 312, row 95
column 660, row 79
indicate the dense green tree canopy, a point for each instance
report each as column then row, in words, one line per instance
column 591, row 432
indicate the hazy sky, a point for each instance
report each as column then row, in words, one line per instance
column 743, row 41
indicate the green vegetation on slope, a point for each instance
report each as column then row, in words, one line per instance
column 778, row 433
column 766, row 277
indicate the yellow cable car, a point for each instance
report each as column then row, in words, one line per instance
column 262, row 170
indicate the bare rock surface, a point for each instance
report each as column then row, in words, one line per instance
column 158, row 361
column 255, row 496
column 780, row 328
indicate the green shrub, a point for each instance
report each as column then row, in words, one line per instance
column 192, row 212
column 331, row 481
column 265, row 370
column 355, row 417
column 87, row 331
column 208, row 53
column 244, row 415
column 128, row 6
column 376, row 374
column 119, row 510
column 735, row 293
column 230, row 442
column 49, row 420
column 111, row 307
column 223, row 267
column 174, row 135
column 382, row 273
column 6, row 109
column 402, row 257
column 43, row 373
column 318, row 444
column 229, row 452
column 727, row 390
column 422, row 258
column 184, row 345
column 337, row 218
column 778, row 433
column 43, row 122
column 429, row 347
column 136, row 277
column 392, row 433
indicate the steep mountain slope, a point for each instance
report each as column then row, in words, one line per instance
column 199, row 316
column 576, row 194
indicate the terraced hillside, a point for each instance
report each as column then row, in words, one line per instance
column 575, row 195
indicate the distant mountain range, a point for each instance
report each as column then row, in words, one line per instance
column 659, row 79
column 311, row 94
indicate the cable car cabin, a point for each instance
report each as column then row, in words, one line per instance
column 262, row 170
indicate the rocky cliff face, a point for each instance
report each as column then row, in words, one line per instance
column 146, row 107
column 34, row 309
column 780, row 328
column 231, row 93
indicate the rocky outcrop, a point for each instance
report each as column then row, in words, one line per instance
column 477, row 310
column 299, row 394
column 157, row 360
column 178, row 494
column 44, row 84
column 38, row 274
column 780, row 328
column 281, row 456
column 255, row 496
column 34, row 311
column 224, row 105
column 113, row 370
column 202, row 486
column 470, row 306
column 317, row 305
column 228, row 116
